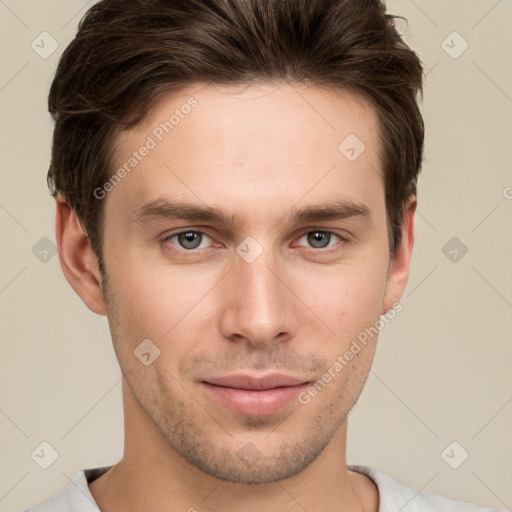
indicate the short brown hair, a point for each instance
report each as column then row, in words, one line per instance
column 127, row 53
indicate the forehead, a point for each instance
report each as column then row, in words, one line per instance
column 260, row 142
column 250, row 116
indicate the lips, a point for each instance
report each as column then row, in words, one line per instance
column 256, row 384
column 254, row 396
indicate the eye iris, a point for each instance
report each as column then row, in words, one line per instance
column 187, row 239
column 191, row 239
column 317, row 237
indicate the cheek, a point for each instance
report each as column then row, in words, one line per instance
column 160, row 301
column 347, row 297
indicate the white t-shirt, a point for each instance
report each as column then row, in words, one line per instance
column 393, row 496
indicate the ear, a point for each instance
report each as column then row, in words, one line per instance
column 398, row 273
column 77, row 259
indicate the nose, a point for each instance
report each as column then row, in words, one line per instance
column 257, row 304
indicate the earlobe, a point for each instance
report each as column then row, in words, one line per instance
column 77, row 259
column 400, row 265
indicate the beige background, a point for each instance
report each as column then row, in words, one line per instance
column 442, row 371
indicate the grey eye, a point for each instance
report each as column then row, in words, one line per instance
column 319, row 239
column 189, row 239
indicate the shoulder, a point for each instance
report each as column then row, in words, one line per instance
column 57, row 503
column 75, row 497
column 394, row 496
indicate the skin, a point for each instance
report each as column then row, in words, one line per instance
column 259, row 152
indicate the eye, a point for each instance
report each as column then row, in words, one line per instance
column 189, row 239
column 320, row 239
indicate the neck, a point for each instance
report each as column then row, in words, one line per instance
column 152, row 475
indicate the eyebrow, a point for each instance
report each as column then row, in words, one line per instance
column 164, row 209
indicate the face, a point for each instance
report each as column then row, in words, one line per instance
column 251, row 250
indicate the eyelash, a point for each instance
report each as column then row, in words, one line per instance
column 194, row 252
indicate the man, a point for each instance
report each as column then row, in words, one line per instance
column 235, row 183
